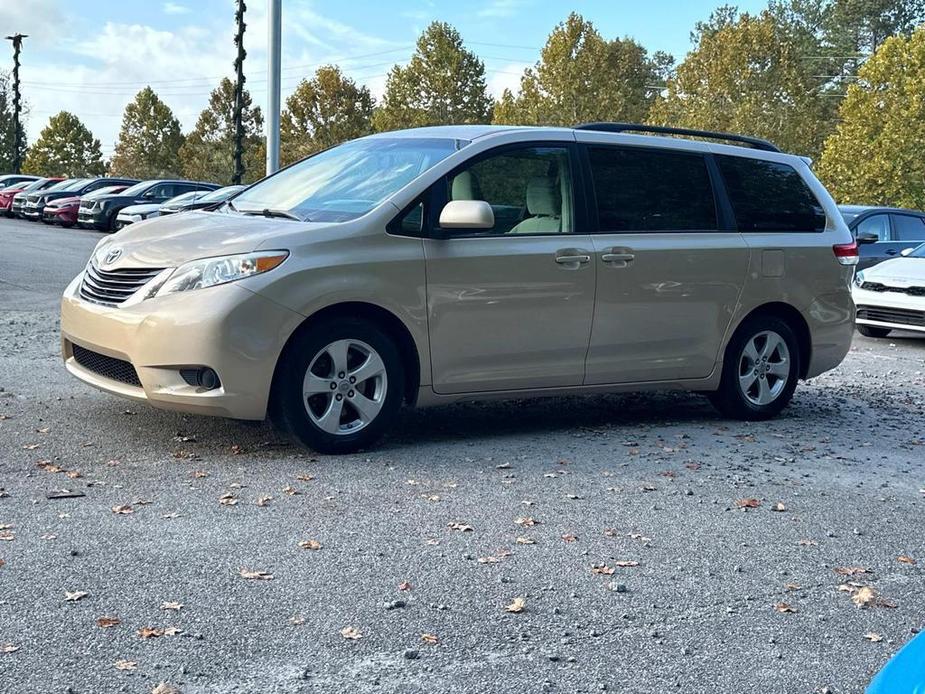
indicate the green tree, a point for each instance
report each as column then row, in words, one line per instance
column 322, row 112
column 860, row 26
column 875, row 155
column 442, row 84
column 747, row 74
column 7, row 131
column 149, row 141
column 208, row 152
column 583, row 77
column 65, row 147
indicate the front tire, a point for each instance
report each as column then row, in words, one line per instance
column 339, row 386
column 871, row 331
column 760, row 370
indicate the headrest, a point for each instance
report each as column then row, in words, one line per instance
column 543, row 197
column 465, row 187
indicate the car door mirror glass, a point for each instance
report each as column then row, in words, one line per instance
column 867, row 237
column 467, row 214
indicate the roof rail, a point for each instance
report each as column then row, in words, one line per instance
column 753, row 142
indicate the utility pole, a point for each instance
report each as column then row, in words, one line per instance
column 17, row 101
column 274, row 24
column 239, row 94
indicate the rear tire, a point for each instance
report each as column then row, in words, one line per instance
column 871, row 331
column 760, row 370
column 339, row 386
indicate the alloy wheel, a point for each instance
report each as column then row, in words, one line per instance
column 344, row 387
column 764, row 368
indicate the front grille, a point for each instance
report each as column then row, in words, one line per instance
column 879, row 287
column 112, row 287
column 107, row 367
column 883, row 314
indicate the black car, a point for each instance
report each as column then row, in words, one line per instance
column 101, row 213
column 34, row 203
column 883, row 232
column 13, row 179
column 202, row 202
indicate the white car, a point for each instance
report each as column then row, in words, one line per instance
column 891, row 295
column 137, row 213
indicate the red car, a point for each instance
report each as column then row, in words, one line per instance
column 7, row 194
column 63, row 211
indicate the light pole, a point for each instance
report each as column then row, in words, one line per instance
column 239, row 95
column 274, row 25
column 17, row 101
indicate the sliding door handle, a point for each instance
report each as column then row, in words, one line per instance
column 569, row 259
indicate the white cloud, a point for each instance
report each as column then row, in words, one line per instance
column 500, row 8
column 505, row 77
column 175, row 8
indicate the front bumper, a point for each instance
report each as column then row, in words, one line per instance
column 56, row 216
column 96, row 218
column 893, row 310
column 227, row 328
column 32, row 211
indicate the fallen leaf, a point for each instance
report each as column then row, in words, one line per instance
column 125, row 665
column 785, row 608
column 8, row 648
column 125, row 509
column 570, row 538
column 297, row 619
column 873, row 637
column 602, row 570
column 779, row 507
column 164, row 688
column 172, row 631
column 851, row 570
column 305, row 478
column 48, row 466
column 150, row 632
column 807, row 543
column 461, row 527
column 488, row 560
column 31, row 446
column 264, row 500
column 351, row 633
column 748, row 503
column 526, row 521
column 75, row 596
column 107, row 622
column 310, row 544
column 256, row 575
column 404, row 585
column 199, row 474
column 525, row 541
column 429, row 638
column 864, row 596
column 7, row 536
column 228, row 500
column 290, row 491
column 517, row 606
column 623, row 564
column 791, row 586
column 176, row 606
column 906, row 560
column 236, row 449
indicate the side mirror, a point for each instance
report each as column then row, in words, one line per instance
column 906, row 251
column 867, row 238
column 467, row 214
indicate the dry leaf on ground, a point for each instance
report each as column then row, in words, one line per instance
column 517, row 605
column 568, row 537
column 164, row 688
column 429, row 638
column 172, row 606
column 404, row 585
column 602, row 570
column 526, row 521
column 851, row 570
column 310, row 544
column 107, row 622
column 125, row 664
column 785, row 608
column 873, row 637
column 75, row 595
column 255, row 575
column 351, row 633
column 903, row 559
column 150, row 632
column 748, row 503
column 124, row 509
column 8, row 648
column 461, row 527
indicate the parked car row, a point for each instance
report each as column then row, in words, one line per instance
column 97, row 203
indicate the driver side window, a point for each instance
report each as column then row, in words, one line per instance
column 528, row 189
column 878, row 225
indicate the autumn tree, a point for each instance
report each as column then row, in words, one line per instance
column 322, row 112
column 65, row 147
column 747, row 74
column 149, row 141
column 7, row 126
column 583, row 77
column 875, row 155
column 208, row 152
column 442, row 84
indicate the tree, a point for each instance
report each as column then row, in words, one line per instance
column 583, row 77
column 149, row 141
column 860, row 26
column 875, row 155
column 442, row 84
column 747, row 74
column 322, row 112
column 208, row 153
column 65, row 147
column 7, row 131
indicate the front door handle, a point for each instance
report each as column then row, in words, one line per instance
column 618, row 257
column 891, row 251
column 573, row 256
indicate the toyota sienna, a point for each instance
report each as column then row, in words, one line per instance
column 441, row 264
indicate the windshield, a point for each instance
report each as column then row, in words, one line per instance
column 108, row 190
column 347, row 181
column 66, row 184
column 221, row 194
column 918, row 252
column 184, row 197
column 138, row 188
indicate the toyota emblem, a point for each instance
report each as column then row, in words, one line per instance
column 112, row 256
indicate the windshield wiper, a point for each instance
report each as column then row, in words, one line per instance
column 267, row 212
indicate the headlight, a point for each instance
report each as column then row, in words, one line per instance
column 209, row 272
column 859, row 278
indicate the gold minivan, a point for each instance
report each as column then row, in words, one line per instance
column 441, row 264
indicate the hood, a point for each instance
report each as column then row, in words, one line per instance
column 176, row 239
column 140, row 209
column 61, row 202
column 897, row 270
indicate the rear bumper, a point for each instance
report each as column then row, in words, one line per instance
column 227, row 328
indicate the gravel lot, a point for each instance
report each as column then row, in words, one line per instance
column 723, row 599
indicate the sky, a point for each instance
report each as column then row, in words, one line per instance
column 91, row 57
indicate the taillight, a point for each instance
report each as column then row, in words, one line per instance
column 846, row 253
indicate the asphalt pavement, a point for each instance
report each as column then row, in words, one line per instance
column 632, row 543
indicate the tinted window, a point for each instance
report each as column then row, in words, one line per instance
column 909, row 228
column 769, row 196
column 877, row 225
column 529, row 190
column 651, row 190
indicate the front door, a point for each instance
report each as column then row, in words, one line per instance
column 668, row 279
column 510, row 307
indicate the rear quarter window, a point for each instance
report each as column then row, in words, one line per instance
column 769, row 196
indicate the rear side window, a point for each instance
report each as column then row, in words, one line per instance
column 651, row 190
column 769, row 196
column 909, row 228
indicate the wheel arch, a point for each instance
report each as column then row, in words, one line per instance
column 384, row 319
column 790, row 315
